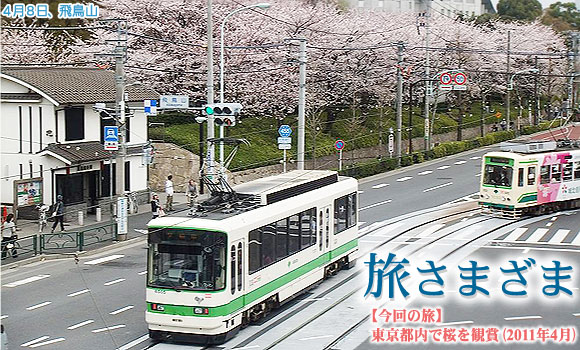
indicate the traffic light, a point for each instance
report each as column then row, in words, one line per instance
column 224, row 113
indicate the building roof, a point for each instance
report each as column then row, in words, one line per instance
column 77, row 153
column 76, row 85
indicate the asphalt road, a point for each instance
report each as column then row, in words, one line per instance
column 99, row 304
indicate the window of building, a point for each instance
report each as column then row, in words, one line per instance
column 74, row 123
column 532, row 175
column 567, row 175
column 344, row 213
column 71, row 187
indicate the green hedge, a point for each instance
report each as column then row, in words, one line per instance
column 361, row 170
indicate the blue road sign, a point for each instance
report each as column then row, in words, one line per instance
column 111, row 136
column 285, row 130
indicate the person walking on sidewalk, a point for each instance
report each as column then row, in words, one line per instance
column 9, row 236
column 191, row 193
column 155, row 206
column 169, row 193
column 58, row 214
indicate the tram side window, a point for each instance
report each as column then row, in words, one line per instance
column 545, row 174
column 233, row 268
column 567, row 172
column 521, row 177
column 294, row 234
column 577, row 171
column 344, row 213
column 556, row 173
column 532, row 175
column 255, row 249
column 269, row 245
column 282, row 238
column 308, row 228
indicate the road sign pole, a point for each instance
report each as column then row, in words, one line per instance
column 340, row 160
column 284, row 161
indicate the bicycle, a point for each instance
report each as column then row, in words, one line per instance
column 133, row 206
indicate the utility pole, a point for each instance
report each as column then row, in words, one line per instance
column 536, row 97
column 399, row 135
column 427, row 75
column 301, row 103
column 571, row 70
column 210, row 91
column 508, row 81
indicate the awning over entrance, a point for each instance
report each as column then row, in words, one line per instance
column 77, row 153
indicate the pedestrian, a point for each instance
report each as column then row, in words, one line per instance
column 155, row 206
column 503, row 124
column 4, row 341
column 191, row 192
column 169, row 193
column 58, row 214
column 494, row 128
column 9, row 236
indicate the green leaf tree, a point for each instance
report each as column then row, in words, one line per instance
column 523, row 10
column 562, row 16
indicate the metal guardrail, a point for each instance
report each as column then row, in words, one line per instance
column 59, row 242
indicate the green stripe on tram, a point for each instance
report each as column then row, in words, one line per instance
column 252, row 296
column 528, row 197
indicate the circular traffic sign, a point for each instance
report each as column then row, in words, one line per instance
column 339, row 145
column 445, row 78
column 285, row 130
column 460, row 78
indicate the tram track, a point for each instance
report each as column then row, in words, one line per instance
column 345, row 280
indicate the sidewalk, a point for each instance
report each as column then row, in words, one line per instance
column 137, row 228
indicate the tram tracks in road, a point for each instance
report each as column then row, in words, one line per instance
column 291, row 313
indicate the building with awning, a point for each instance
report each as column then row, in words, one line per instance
column 52, row 137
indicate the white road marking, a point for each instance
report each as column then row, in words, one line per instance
column 453, row 323
column 84, row 323
column 549, row 224
column 539, row 233
column 108, row 328
column 463, row 220
column 430, row 230
column 460, row 162
column 139, row 230
column 443, row 167
column 360, row 223
column 475, row 157
column 554, row 218
column 318, row 337
column 526, row 251
column 3, row 317
column 38, row 305
column 105, row 259
column 35, row 340
column 78, row 293
column 576, row 314
column 426, row 172
column 516, row 234
column 380, row 186
column 382, row 232
column 376, row 204
column 142, row 273
column 404, row 178
column 115, row 281
column 559, row 236
column 576, row 240
column 478, row 175
column 437, row 187
column 316, row 299
column 517, row 318
column 134, row 342
column 52, row 341
column 468, row 231
column 121, row 310
column 246, row 347
column 26, row 280
column 360, row 192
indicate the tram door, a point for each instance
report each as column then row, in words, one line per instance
column 324, row 220
column 237, row 267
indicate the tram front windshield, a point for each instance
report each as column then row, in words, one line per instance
column 186, row 259
column 498, row 175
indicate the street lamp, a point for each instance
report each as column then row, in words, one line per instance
column 510, row 87
column 262, row 5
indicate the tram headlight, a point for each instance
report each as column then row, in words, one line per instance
column 503, row 198
column 200, row 310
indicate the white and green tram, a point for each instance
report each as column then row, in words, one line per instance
column 211, row 274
